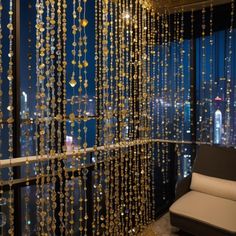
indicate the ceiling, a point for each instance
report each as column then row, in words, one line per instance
column 187, row 5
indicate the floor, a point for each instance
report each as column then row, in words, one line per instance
column 162, row 227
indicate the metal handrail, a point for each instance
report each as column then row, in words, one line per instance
column 19, row 161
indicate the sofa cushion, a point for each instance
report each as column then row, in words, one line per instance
column 211, row 210
column 214, row 186
column 215, row 161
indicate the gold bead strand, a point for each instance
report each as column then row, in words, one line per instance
column 228, row 133
column 53, row 75
column 37, row 119
column 64, row 102
column 137, row 115
column 28, row 123
column 41, row 113
column 99, row 108
column 95, row 194
column 121, row 120
column 182, row 88
column 134, row 198
column 59, row 109
column 210, row 114
column 3, row 200
column 203, row 82
column 48, row 120
column 130, row 203
column 81, row 24
column 10, row 119
column 84, row 24
column 153, row 97
column 165, row 96
column 126, row 18
column 146, row 102
column 104, row 218
column 110, row 225
column 162, row 93
column 72, row 117
column 157, row 89
column 149, row 116
column 116, row 107
column 177, row 97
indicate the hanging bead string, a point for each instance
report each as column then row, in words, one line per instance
column 49, row 87
column 37, row 165
column 165, row 59
column 135, row 111
column 210, row 138
column 142, row 89
column 54, row 80
column 203, row 79
column 192, row 113
column 84, row 24
column 104, row 218
column 149, row 148
column 95, row 202
column 81, row 23
column 178, row 89
column 130, row 39
column 98, row 90
column 162, row 99
column 146, row 100
column 175, row 71
column 148, row 133
column 182, row 127
column 58, row 113
column 139, row 110
column 61, row 170
column 10, row 119
column 127, row 22
column 157, row 91
column 3, row 200
column 41, row 107
column 121, row 97
column 153, row 97
column 116, row 108
column 110, row 204
column 26, row 116
column 228, row 133
column 70, row 184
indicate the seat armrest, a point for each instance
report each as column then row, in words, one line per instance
column 182, row 187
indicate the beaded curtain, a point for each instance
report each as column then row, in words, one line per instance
column 121, row 73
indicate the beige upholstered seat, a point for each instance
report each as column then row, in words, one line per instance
column 211, row 210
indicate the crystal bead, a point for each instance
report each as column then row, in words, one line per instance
column 79, row 9
column 72, row 117
column 10, row 120
column 73, row 83
column 10, row 26
column 85, row 63
column 84, row 22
